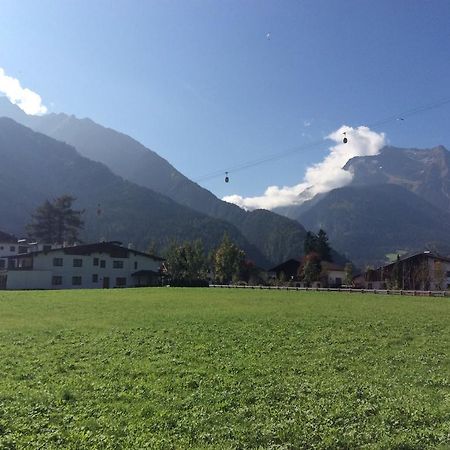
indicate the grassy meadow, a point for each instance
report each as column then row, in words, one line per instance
column 212, row 368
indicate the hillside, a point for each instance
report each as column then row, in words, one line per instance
column 277, row 237
column 35, row 167
column 368, row 222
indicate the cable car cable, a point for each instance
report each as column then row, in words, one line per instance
column 279, row 155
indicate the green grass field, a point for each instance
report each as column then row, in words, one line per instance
column 206, row 368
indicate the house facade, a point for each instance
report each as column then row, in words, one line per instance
column 333, row 275
column 10, row 246
column 99, row 265
column 421, row 271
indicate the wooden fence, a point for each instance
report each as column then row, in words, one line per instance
column 361, row 291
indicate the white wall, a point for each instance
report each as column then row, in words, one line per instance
column 28, row 279
column 44, row 262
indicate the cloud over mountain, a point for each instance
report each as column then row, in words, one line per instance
column 27, row 100
column 323, row 176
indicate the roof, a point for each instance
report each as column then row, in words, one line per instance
column 425, row 253
column 141, row 273
column 290, row 264
column 332, row 266
column 113, row 248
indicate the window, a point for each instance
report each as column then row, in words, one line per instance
column 121, row 281
column 135, row 265
column 117, row 264
column 2, row 263
column 76, row 281
column 448, row 274
column 77, row 262
column 23, row 249
column 95, row 278
column 102, row 263
column 47, row 248
column 95, row 261
column 57, row 262
column 12, row 248
column 56, row 280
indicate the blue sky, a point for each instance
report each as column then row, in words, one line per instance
column 199, row 83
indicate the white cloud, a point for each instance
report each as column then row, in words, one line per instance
column 27, row 100
column 323, row 176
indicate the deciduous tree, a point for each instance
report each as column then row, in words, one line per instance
column 228, row 260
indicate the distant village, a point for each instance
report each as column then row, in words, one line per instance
column 26, row 264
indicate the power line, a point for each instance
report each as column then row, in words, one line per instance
column 279, row 155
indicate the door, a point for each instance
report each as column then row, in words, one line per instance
column 105, row 282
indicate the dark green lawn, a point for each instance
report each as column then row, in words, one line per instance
column 205, row 368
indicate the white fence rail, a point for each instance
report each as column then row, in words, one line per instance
column 361, row 291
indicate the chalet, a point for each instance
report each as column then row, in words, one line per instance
column 99, row 265
column 420, row 271
column 333, row 274
column 287, row 270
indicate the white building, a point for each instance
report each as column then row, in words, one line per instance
column 9, row 246
column 100, row 265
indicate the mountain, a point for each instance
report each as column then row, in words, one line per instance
column 277, row 237
column 35, row 167
column 401, row 195
column 425, row 172
column 367, row 223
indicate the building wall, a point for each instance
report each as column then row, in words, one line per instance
column 87, row 276
column 433, row 277
column 8, row 249
column 335, row 274
column 28, row 279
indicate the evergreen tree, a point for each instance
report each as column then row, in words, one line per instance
column 57, row 222
column 310, row 243
column 317, row 243
column 323, row 248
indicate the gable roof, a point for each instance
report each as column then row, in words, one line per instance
column 112, row 248
column 286, row 266
column 426, row 254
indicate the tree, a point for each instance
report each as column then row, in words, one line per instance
column 311, row 269
column 228, row 260
column 348, row 269
column 187, row 261
column 310, row 243
column 396, row 275
column 317, row 244
column 323, row 248
column 439, row 275
column 57, row 222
